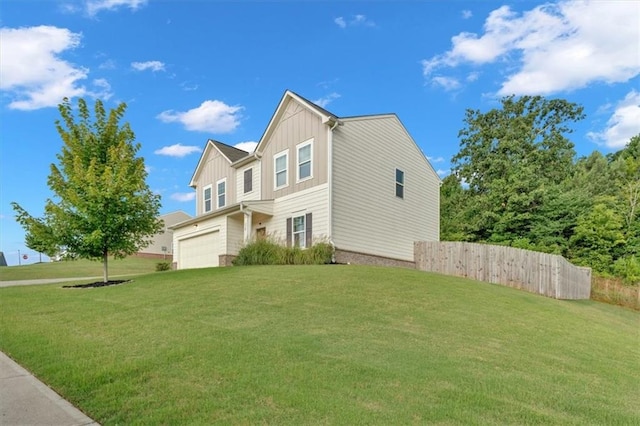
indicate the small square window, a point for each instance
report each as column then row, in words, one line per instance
column 399, row 183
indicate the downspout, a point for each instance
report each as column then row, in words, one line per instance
column 330, row 184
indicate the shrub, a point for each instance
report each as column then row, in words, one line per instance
column 269, row 252
column 163, row 266
column 628, row 268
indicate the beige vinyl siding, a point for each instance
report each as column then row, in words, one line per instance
column 235, row 233
column 367, row 215
column 255, row 193
column 216, row 167
column 296, row 125
column 314, row 200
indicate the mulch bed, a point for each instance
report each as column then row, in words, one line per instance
column 97, row 284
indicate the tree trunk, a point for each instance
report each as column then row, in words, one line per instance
column 105, row 269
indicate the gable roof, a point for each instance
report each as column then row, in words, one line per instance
column 326, row 116
column 229, row 152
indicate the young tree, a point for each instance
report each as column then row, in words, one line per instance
column 103, row 205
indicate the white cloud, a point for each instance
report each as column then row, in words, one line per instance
column 552, row 47
column 447, row 83
column 324, row 101
column 248, row 146
column 149, row 65
column 211, row 116
column 623, row 124
column 466, row 14
column 95, row 6
column 442, row 172
column 436, row 159
column 177, row 150
column 355, row 21
column 183, row 196
column 34, row 73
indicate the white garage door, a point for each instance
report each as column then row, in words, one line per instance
column 199, row 252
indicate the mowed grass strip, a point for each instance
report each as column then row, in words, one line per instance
column 78, row 268
column 325, row 345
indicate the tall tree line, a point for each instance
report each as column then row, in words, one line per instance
column 516, row 181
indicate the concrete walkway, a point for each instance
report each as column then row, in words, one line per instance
column 24, row 400
column 44, row 281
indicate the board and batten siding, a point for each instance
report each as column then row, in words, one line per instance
column 296, row 125
column 367, row 217
column 216, row 167
column 255, row 193
column 314, row 200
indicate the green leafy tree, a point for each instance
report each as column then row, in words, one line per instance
column 512, row 159
column 102, row 205
column 599, row 238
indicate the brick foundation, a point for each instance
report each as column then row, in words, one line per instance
column 344, row 256
column 226, row 259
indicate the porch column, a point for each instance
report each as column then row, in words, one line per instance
column 248, row 215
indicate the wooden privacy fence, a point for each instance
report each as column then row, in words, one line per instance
column 542, row 273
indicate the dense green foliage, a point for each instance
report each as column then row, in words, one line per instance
column 516, row 182
column 102, row 205
column 334, row 345
column 265, row 251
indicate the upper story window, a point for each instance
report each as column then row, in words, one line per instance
column 248, row 180
column 206, row 198
column 281, row 162
column 399, row 183
column 305, row 154
column 221, row 192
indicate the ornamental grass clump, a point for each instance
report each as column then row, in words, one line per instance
column 269, row 252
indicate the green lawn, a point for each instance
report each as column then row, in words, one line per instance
column 325, row 345
column 78, row 268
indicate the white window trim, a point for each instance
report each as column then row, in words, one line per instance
column 204, row 200
column 308, row 142
column 224, row 180
column 284, row 153
column 402, row 184
column 252, row 174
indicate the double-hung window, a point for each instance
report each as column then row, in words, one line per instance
column 280, row 169
column 299, row 231
column 305, row 154
column 206, row 198
column 221, row 188
column 399, row 183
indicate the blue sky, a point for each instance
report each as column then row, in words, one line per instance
column 193, row 69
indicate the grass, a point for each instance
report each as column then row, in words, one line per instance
column 325, row 345
column 614, row 291
column 78, row 268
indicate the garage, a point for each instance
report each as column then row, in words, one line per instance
column 201, row 251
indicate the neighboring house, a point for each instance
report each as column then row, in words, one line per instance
column 161, row 245
column 359, row 182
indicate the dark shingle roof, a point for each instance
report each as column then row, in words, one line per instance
column 232, row 153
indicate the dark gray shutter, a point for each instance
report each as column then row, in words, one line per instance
column 289, row 231
column 308, row 231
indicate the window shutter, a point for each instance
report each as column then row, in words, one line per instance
column 289, row 232
column 308, row 231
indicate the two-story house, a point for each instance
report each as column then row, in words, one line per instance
column 360, row 183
